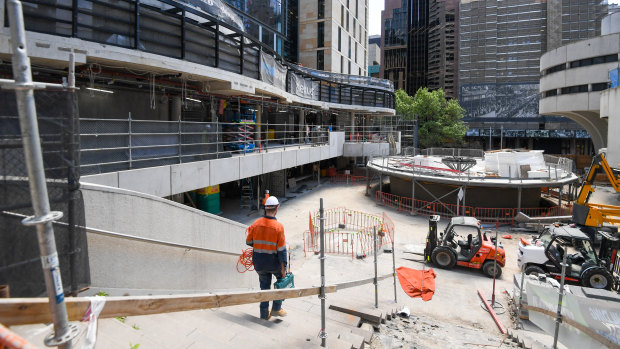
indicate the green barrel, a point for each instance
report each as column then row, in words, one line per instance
column 213, row 203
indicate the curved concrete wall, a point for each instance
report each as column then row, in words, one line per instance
column 610, row 24
column 583, row 107
column 120, row 266
column 610, row 108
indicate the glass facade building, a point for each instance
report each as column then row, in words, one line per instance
column 273, row 22
column 394, row 45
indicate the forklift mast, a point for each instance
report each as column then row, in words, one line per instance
column 431, row 238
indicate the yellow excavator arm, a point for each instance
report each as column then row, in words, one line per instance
column 594, row 215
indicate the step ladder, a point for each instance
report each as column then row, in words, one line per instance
column 247, row 199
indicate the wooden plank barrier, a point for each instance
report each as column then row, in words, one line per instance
column 23, row 311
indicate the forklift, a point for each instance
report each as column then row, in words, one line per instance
column 463, row 243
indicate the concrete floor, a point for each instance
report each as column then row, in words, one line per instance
column 455, row 299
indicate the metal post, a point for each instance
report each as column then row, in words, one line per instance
column 560, row 196
column 558, row 318
column 412, row 192
column 323, row 333
column 394, row 269
column 519, row 189
column 375, row 281
column 71, row 80
column 129, row 143
column 43, row 216
column 494, row 265
column 519, row 320
column 318, row 173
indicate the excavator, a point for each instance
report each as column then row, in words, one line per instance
column 600, row 221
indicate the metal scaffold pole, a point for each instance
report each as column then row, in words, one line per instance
column 375, row 281
column 323, row 333
column 43, row 216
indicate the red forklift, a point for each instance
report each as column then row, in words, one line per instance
column 463, row 243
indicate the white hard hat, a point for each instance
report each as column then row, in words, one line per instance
column 267, row 191
column 272, row 201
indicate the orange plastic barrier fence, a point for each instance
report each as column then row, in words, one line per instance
column 484, row 214
column 10, row 340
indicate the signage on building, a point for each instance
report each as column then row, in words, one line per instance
column 303, row 88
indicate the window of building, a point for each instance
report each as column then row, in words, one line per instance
column 574, row 89
column 347, row 20
column 550, row 93
column 320, row 60
column 600, row 86
column 357, row 6
column 355, row 50
column 339, row 39
column 349, row 52
column 556, row 68
column 320, row 41
column 354, row 27
column 342, row 15
column 349, row 67
column 342, row 64
column 321, row 10
column 360, row 73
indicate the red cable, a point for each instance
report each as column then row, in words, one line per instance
column 245, row 260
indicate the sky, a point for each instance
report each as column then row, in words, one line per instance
column 374, row 16
column 376, row 6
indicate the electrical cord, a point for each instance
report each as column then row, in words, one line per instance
column 245, row 261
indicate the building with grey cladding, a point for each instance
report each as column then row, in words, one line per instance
column 500, row 44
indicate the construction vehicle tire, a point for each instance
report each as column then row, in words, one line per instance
column 489, row 268
column 443, row 257
column 535, row 270
column 597, row 277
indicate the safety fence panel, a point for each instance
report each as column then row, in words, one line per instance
column 348, row 232
column 484, row 214
column 348, row 179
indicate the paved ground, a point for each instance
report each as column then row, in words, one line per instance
column 455, row 301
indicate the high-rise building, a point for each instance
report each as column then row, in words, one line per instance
column 333, row 35
column 374, row 55
column 394, row 42
column 442, row 46
column 500, row 44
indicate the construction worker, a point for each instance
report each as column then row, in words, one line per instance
column 266, row 236
column 266, row 197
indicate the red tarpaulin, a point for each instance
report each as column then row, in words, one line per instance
column 417, row 283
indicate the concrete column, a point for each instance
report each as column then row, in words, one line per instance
column 573, row 146
column 302, row 126
column 560, row 196
column 258, row 139
column 176, row 108
column 530, row 143
column 519, row 199
column 352, row 124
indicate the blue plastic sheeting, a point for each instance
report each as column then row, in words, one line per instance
column 613, row 77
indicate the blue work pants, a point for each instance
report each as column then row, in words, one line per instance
column 264, row 279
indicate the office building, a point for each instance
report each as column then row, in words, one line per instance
column 374, row 55
column 500, row 45
column 394, row 42
column 333, row 36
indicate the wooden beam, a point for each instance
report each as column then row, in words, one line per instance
column 356, row 283
column 21, row 311
column 374, row 316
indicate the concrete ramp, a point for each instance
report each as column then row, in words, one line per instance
column 142, row 244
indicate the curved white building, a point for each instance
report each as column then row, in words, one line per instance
column 573, row 77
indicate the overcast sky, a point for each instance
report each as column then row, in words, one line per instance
column 376, row 6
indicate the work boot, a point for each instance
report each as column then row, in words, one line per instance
column 267, row 317
column 280, row 312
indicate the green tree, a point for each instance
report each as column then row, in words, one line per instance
column 440, row 120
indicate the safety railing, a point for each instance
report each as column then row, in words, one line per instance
column 179, row 30
column 109, row 145
column 348, row 179
column 446, row 210
column 557, row 169
column 376, row 133
column 349, row 232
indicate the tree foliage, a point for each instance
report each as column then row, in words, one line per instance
column 440, row 120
